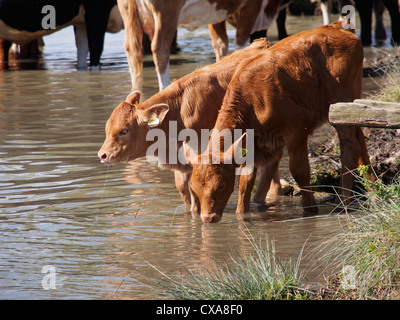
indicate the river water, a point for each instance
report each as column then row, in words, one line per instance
column 106, row 230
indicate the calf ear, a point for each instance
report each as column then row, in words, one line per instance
column 189, row 154
column 235, row 151
column 154, row 115
column 133, row 97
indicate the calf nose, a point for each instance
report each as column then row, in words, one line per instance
column 210, row 217
column 102, row 155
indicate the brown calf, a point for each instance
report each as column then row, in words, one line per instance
column 192, row 101
column 159, row 19
column 283, row 94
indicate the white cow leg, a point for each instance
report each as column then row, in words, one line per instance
column 163, row 78
column 326, row 8
column 219, row 39
column 82, row 46
column 161, row 60
column 160, row 47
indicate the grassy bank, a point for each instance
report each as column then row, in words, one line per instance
column 383, row 144
column 258, row 275
column 368, row 246
column 389, row 89
column 363, row 259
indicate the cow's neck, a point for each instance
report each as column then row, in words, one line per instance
column 231, row 118
column 171, row 96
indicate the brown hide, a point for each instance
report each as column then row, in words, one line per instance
column 192, row 101
column 283, row 94
column 159, row 19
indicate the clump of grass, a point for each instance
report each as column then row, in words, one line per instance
column 370, row 241
column 390, row 89
column 258, row 275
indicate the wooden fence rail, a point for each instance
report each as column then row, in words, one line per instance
column 366, row 113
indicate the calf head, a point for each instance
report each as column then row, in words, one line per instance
column 126, row 130
column 212, row 182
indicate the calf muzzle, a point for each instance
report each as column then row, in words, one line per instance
column 211, row 217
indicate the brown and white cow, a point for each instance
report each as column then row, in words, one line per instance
column 283, row 94
column 192, row 102
column 159, row 19
column 24, row 21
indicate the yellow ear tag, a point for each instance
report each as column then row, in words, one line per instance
column 244, row 151
column 153, row 121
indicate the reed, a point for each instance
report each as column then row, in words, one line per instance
column 370, row 243
column 389, row 89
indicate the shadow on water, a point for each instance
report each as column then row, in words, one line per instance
column 102, row 228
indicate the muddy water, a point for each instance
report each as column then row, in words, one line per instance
column 101, row 228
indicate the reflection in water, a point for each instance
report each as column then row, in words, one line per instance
column 103, row 228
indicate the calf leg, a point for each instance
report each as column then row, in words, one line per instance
column 219, row 39
column 181, row 183
column 300, row 169
column 195, row 202
column 353, row 153
column 246, row 183
column 275, row 188
column 269, row 180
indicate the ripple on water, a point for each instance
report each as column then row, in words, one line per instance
column 102, row 228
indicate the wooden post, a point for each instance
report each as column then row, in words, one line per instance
column 366, row 113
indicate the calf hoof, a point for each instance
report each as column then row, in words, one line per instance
column 259, row 200
column 195, row 209
column 187, row 209
column 310, row 211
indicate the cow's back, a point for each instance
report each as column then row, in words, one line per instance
column 283, row 94
column 205, row 88
column 295, row 81
column 196, row 98
column 27, row 15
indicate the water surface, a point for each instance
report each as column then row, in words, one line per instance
column 104, row 228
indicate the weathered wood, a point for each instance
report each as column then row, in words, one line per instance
column 366, row 113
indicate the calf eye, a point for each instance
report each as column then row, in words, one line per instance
column 123, row 132
column 221, row 186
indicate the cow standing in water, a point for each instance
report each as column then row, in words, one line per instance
column 159, row 19
column 192, row 102
column 283, row 94
column 365, row 9
column 22, row 21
